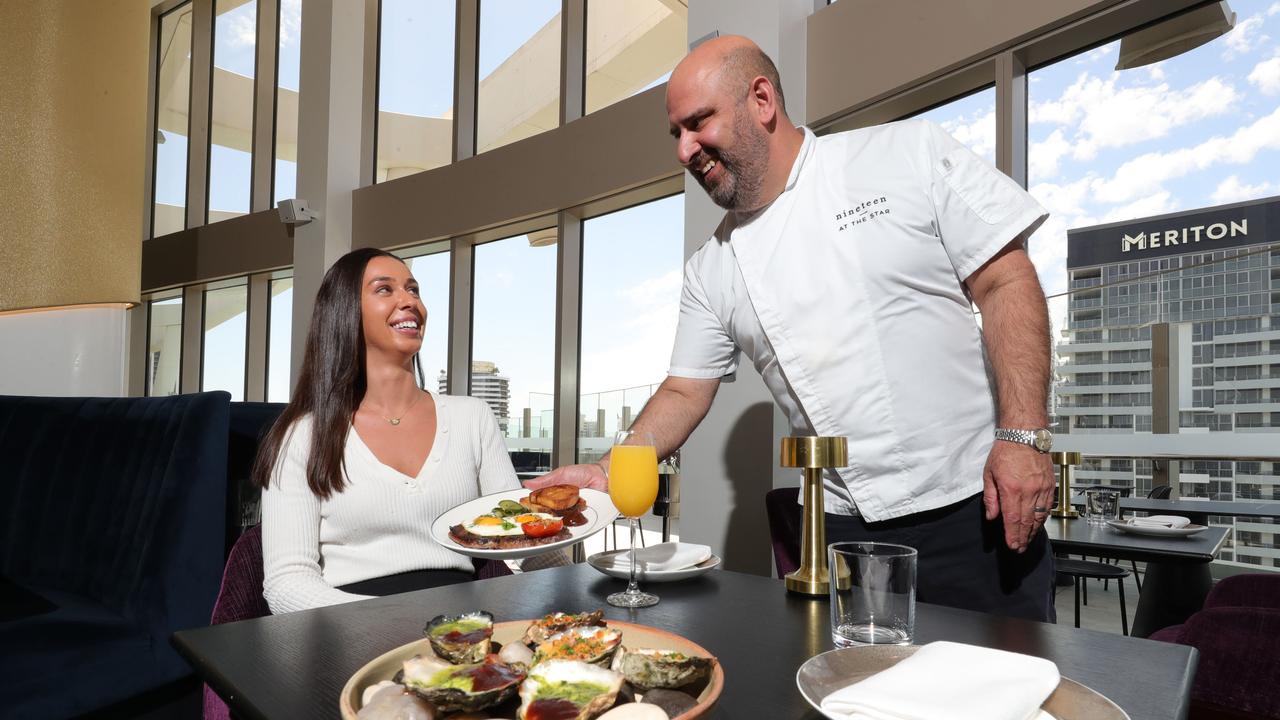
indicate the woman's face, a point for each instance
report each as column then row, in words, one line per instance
column 393, row 315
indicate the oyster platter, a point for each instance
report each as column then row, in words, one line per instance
column 557, row 667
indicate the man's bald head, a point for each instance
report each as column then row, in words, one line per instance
column 734, row 62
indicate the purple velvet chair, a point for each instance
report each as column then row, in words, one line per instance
column 1236, row 634
column 240, row 597
column 785, row 524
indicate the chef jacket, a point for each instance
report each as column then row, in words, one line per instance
column 847, row 294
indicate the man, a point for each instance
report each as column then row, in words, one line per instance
column 844, row 268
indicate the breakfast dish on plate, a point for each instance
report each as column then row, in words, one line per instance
column 518, row 523
column 558, row 667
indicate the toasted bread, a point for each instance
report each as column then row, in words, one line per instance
column 535, row 506
column 556, row 497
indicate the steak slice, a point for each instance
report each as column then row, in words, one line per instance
column 469, row 539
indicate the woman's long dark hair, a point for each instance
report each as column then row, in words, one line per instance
column 332, row 382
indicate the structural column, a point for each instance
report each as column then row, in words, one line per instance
column 331, row 131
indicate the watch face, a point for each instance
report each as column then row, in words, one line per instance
column 1043, row 440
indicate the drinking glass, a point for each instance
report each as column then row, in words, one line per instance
column 633, row 486
column 1101, row 505
column 873, row 593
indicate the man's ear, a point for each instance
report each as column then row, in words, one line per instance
column 764, row 99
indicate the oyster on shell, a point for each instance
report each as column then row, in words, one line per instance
column 389, row 701
column 596, row 645
column 463, row 688
column 568, row 690
column 461, row 639
column 555, row 623
column 646, row 668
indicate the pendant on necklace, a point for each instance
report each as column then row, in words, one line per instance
column 394, row 421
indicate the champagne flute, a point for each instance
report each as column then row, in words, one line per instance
column 633, row 487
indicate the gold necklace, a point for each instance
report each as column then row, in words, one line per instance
column 396, row 420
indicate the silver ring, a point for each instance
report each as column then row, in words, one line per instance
column 1040, row 509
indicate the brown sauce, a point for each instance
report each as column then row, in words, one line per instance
column 551, row 709
column 574, row 519
column 491, row 676
column 471, row 638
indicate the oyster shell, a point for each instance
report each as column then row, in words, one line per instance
column 555, row 623
column 461, row 639
column 389, row 701
column 596, row 645
column 646, row 668
column 460, row 687
column 569, row 689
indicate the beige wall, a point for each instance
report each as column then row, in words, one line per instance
column 73, row 84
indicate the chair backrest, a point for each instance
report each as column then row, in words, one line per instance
column 250, row 422
column 786, row 520
column 1254, row 590
column 1160, row 492
column 116, row 499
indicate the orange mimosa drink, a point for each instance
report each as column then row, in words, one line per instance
column 633, row 478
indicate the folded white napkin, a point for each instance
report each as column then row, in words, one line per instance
column 660, row 558
column 950, row 681
column 1169, row 521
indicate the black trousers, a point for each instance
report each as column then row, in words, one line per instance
column 408, row 582
column 963, row 561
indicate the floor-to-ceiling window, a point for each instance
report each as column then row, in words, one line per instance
column 173, row 95
column 431, row 270
column 225, row 338
column 288, row 57
column 632, row 45
column 519, row 71
column 279, row 339
column 235, row 32
column 415, row 87
column 164, row 345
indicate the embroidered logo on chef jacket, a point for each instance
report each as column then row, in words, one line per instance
column 864, row 211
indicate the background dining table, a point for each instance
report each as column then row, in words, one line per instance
column 295, row 665
column 1177, row 577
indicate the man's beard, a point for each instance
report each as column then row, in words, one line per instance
column 743, row 168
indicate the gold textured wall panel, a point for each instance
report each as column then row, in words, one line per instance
column 73, row 102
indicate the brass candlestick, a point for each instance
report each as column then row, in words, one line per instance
column 814, row 454
column 1065, row 461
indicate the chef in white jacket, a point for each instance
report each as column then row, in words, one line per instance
column 844, row 269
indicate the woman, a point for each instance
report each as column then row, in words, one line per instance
column 363, row 459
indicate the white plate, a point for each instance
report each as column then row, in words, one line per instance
column 1123, row 526
column 597, row 561
column 827, row 672
column 599, row 513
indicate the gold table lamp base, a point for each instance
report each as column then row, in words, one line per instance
column 813, row 454
column 1064, row 461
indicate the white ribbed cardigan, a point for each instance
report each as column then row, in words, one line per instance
column 379, row 524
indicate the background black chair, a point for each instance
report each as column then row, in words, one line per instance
column 1081, row 570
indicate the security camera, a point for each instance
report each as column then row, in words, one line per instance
column 295, row 212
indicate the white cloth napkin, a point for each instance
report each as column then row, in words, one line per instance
column 950, row 681
column 660, row 558
column 1168, row 521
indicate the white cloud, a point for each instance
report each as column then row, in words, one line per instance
column 1147, row 173
column 1045, row 155
column 1157, row 203
column 1266, row 75
column 1274, row 9
column 290, row 22
column 661, row 289
column 1234, row 190
column 1246, row 35
column 1102, row 115
column 243, row 27
column 978, row 134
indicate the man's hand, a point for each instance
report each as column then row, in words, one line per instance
column 591, row 475
column 1016, row 480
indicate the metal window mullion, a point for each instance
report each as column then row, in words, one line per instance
column 265, row 79
column 192, row 353
column 369, row 97
column 568, row 339
column 153, row 123
column 573, row 59
column 1011, row 116
column 258, row 329
column 198, row 112
column 466, row 81
column 461, row 277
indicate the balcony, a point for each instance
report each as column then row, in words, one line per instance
column 1071, row 348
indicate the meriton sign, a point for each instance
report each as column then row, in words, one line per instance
column 1193, row 234
column 1214, row 229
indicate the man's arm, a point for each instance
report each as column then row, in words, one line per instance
column 1015, row 328
column 671, row 415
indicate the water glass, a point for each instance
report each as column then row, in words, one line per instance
column 873, row 593
column 1101, row 505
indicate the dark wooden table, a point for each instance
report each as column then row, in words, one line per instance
column 1198, row 511
column 294, row 666
column 1177, row 578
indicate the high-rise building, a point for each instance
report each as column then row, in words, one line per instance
column 1214, row 275
column 488, row 385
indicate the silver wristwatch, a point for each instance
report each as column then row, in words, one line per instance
column 1040, row 438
